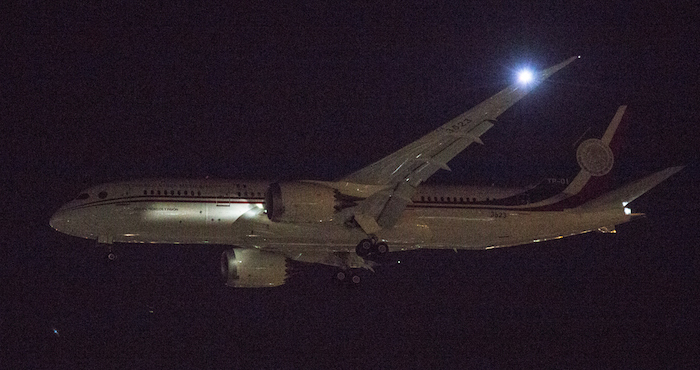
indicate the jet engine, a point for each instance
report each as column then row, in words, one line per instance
column 299, row 202
column 253, row 268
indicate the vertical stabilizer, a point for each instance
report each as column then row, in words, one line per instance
column 595, row 158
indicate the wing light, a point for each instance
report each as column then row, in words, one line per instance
column 627, row 210
column 525, row 76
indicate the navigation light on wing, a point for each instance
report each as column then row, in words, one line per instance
column 525, row 76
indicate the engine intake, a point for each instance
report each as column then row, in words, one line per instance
column 253, row 268
column 299, row 202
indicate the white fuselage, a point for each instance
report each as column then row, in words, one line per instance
column 232, row 213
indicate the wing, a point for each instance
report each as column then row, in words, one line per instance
column 401, row 172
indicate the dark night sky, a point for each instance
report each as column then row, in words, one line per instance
column 98, row 93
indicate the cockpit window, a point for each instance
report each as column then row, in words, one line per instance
column 102, row 195
column 83, row 196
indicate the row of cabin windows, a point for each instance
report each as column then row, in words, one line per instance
column 191, row 193
column 449, row 199
column 172, row 192
column 83, row 196
column 249, row 194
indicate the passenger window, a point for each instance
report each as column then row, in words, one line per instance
column 102, row 195
column 172, row 192
column 83, row 196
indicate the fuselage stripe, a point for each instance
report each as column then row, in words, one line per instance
column 150, row 199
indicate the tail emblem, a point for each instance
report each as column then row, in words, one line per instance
column 595, row 157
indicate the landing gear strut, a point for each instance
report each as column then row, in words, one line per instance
column 107, row 241
column 111, row 254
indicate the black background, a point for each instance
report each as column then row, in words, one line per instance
column 102, row 92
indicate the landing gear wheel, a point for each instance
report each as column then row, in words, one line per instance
column 111, row 255
column 364, row 248
column 371, row 248
column 347, row 278
column 341, row 276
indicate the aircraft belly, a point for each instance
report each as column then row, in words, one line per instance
column 458, row 228
column 484, row 228
column 431, row 228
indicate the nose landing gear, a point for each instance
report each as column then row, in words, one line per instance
column 107, row 241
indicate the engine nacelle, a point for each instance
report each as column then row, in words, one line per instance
column 300, row 202
column 253, row 268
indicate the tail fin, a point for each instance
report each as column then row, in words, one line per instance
column 595, row 158
column 631, row 191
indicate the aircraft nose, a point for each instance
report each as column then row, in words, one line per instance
column 62, row 221
column 58, row 221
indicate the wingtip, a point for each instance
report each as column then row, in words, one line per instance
column 674, row 170
column 555, row 68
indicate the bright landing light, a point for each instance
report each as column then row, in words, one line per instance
column 525, row 76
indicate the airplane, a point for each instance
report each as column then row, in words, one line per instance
column 353, row 222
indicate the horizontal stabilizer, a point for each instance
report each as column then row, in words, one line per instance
column 631, row 191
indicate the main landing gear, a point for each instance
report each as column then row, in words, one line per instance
column 367, row 252
column 346, row 276
column 371, row 248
